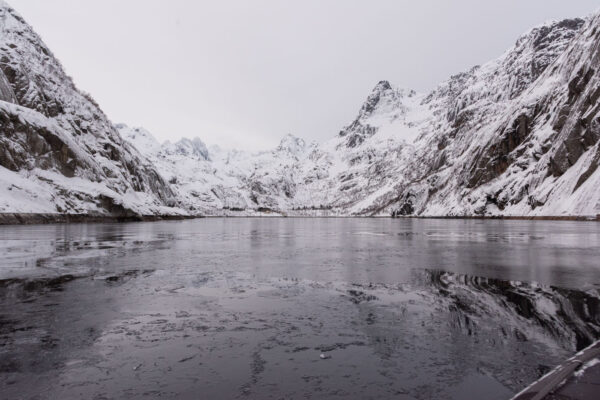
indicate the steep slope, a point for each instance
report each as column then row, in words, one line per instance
column 507, row 129
column 59, row 153
column 489, row 136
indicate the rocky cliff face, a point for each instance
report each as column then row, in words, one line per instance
column 58, row 151
column 513, row 131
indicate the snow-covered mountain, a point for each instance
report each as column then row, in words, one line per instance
column 516, row 136
column 59, row 153
column 219, row 182
column 519, row 135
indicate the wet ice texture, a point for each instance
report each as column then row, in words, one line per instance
column 175, row 312
column 228, row 335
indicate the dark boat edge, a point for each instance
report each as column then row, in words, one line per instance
column 564, row 377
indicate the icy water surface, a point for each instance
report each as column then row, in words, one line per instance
column 293, row 308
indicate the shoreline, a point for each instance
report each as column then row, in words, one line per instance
column 45, row 219
column 586, row 218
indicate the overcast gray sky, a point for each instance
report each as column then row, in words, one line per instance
column 244, row 73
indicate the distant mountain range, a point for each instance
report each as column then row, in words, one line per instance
column 517, row 136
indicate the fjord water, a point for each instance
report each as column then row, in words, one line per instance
column 293, row 308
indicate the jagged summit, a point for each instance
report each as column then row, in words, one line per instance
column 291, row 144
column 148, row 145
column 383, row 96
column 189, row 147
column 385, row 105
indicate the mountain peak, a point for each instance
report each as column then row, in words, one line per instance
column 547, row 34
column 192, row 147
column 381, row 92
column 139, row 137
column 382, row 86
column 291, row 144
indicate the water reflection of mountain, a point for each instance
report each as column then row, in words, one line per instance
column 570, row 316
column 453, row 326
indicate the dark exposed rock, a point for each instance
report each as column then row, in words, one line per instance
column 406, row 206
column 578, row 84
column 495, row 160
column 356, row 133
column 37, row 219
column 546, row 37
column 6, row 91
column 579, row 124
column 590, row 170
column 25, row 146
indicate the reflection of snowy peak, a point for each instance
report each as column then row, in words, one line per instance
column 515, row 136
